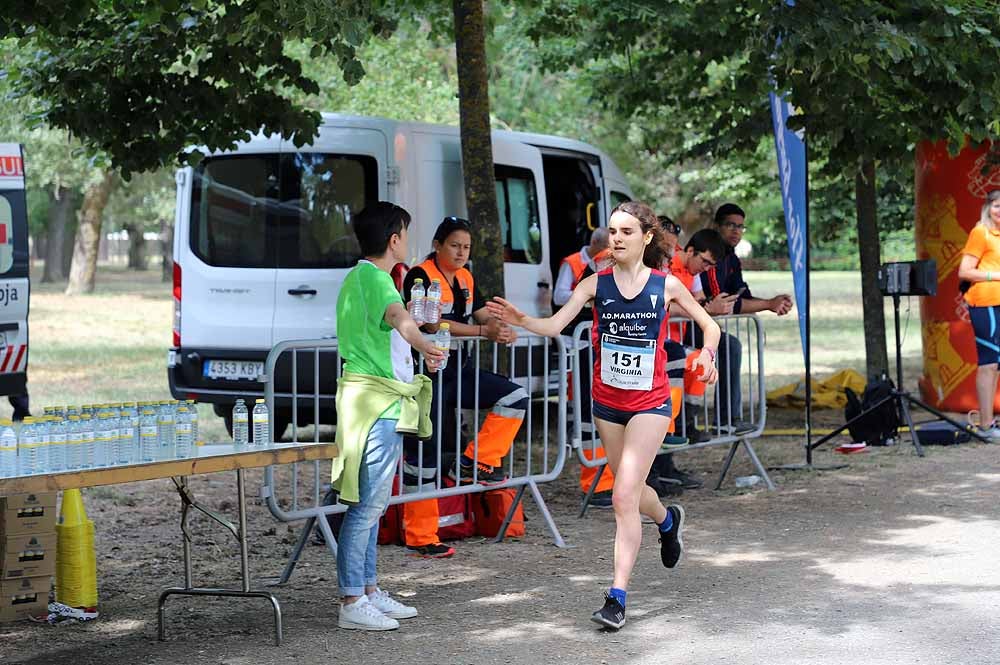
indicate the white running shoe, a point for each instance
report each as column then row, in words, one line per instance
column 391, row 607
column 363, row 615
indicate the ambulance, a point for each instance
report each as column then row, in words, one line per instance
column 14, row 286
column 263, row 238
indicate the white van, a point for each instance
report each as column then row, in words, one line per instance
column 263, row 241
column 14, row 287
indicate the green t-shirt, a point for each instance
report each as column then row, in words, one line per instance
column 368, row 344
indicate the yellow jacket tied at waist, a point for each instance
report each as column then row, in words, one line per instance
column 361, row 399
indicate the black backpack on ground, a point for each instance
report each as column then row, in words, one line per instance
column 879, row 426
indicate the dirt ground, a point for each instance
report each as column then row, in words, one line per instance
column 891, row 560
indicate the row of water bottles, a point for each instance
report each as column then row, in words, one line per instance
column 97, row 436
column 425, row 306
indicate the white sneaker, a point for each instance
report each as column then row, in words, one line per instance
column 992, row 432
column 363, row 615
column 391, row 607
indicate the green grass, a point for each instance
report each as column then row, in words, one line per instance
column 111, row 345
column 837, row 330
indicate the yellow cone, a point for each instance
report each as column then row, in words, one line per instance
column 76, row 564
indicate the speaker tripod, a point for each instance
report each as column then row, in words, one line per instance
column 903, row 399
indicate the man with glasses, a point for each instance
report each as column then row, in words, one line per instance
column 728, row 293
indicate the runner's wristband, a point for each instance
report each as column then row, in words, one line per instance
column 711, row 352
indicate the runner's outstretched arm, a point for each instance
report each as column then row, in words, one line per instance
column 550, row 326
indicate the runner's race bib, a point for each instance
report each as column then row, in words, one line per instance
column 627, row 363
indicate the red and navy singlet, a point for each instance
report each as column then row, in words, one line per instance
column 629, row 361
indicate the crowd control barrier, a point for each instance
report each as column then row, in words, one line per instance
column 742, row 340
column 537, row 364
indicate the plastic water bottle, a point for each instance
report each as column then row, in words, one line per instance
column 57, row 442
column 193, row 414
column 8, row 449
column 165, row 422
column 72, row 411
column 432, row 306
column 183, row 444
column 126, row 435
column 240, row 423
column 88, row 442
column 149, row 434
column 74, row 444
column 442, row 340
column 28, row 449
column 417, row 297
column 102, row 439
column 42, row 433
column 261, row 424
column 87, row 410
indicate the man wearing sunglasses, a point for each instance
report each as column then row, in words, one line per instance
column 728, row 293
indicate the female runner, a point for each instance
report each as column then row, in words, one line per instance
column 630, row 387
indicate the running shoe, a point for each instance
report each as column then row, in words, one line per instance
column 682, row 478
column 671, row 545
column 672, row 442
column 612, row 615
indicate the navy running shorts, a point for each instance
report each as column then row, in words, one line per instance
column 986, row 324
column 620, row 417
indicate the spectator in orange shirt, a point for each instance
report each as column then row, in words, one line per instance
column 981, row 267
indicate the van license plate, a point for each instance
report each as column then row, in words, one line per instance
column 236, row 370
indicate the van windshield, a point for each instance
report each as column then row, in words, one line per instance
column 280, row 211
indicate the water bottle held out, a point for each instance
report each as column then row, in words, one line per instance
column 432, row 306
column 442, row 340
column 240, row 418
column 417, row 301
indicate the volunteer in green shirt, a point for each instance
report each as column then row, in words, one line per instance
column 378, row 399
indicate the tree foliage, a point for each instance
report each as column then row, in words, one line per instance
column 871, row 78
column 142, row 81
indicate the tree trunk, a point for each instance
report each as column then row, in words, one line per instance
column 876, row 358
column 136, row 247
column 477, row 146
column 88, row 235
column 61, row 206
column 167, row 249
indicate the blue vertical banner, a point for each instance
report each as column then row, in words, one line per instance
column 793, row 174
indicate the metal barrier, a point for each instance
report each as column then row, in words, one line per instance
column 742, row 338
column 528, row 464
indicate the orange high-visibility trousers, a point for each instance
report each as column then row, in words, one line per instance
column 420, row 523
column 587, row 473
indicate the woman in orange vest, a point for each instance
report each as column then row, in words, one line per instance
column 981, row 266
column 465, row 309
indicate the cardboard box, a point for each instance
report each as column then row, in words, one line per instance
column 25, row 597
column 38, row 519
column 27, row 501
column 29, row 555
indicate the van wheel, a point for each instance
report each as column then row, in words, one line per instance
column 281, row 424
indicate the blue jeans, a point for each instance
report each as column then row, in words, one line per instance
column 357, row 552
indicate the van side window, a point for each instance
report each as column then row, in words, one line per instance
column 618, row 198
column 280, row 211
column 6, row 235
column 517, row 200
